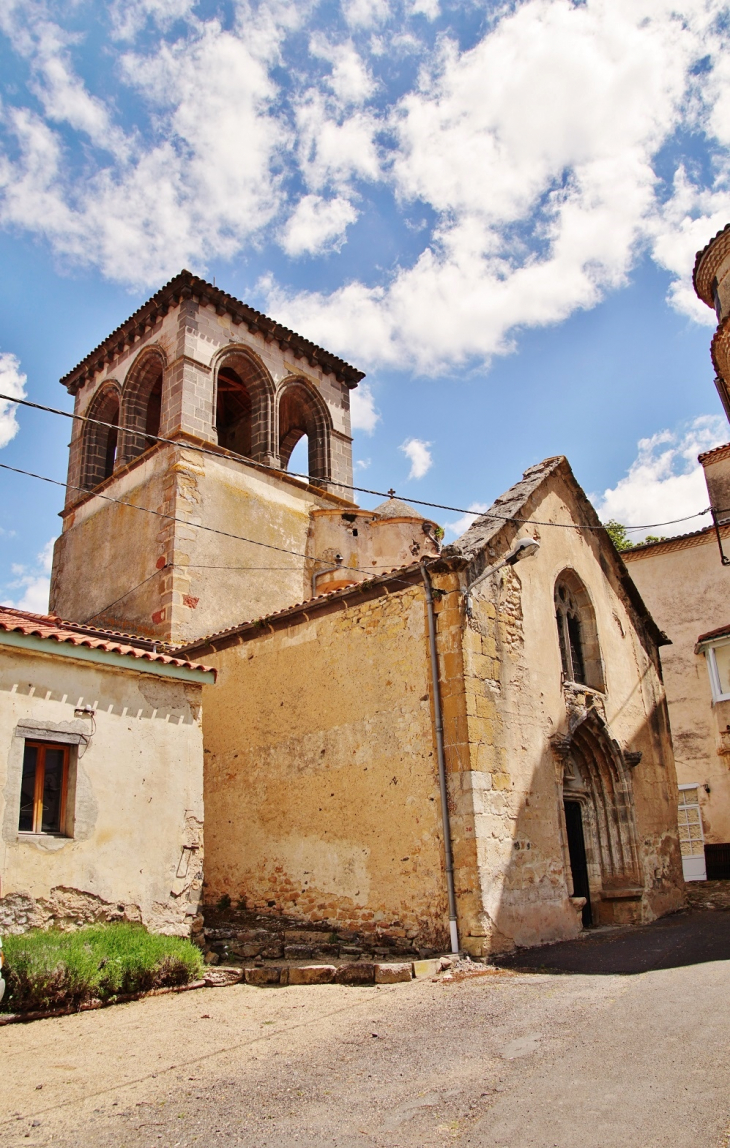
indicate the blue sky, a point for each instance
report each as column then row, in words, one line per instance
column 491, row 208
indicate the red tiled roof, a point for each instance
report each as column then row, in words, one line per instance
column 305, row 607
column 57, row 630
column 721, row 632
column 716, row 450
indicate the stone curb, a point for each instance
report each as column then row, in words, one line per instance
column 355, row 973
column 260, row 976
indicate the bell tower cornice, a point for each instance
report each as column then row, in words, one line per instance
column 188, row 286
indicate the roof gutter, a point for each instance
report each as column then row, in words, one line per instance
column 439, row 723
column 30, row 642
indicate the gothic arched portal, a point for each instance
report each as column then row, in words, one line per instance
column 597, row 779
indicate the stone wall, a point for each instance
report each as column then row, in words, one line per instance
column 168, row 579
column 514, row 705
column 133, row 843
column 321, row 778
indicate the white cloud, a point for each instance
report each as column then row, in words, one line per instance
column 429, row 8
column 665, row 481
column 362, row 409
column 461, row 524
column 317, row 225
column 418, row 453
column 533, row 155
column 350, row 80
column 202, row 184
column 365, row 13
column 130, row 16
column 363, row 463
column 35, row 582
column 542, row 198
column 12, row 382
column 333, row 148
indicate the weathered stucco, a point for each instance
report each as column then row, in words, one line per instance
column 320, row 776
column 686, row 587
column 171, row 580
column 133, row 842
column 510, row 719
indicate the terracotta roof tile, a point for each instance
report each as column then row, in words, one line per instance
column 302, row 607
column 718, row 450
column 183, row 286
column 720, row 632
column 56, row 629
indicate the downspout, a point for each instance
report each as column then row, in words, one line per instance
column 439, row 721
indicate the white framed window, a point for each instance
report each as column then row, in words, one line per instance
column 718, row 666
column 691, row 835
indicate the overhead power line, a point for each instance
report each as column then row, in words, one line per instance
column 197, row 525
column 314, row 480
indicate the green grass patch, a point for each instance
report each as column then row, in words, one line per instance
column 48, row 969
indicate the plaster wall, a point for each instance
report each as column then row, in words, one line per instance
column 509, row 785
column 135, row 804
column 686, row 588
column 321, row 779
column 369, row 545
column 127, row 569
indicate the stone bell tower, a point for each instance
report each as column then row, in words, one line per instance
column 711, row 280
column 198, row 367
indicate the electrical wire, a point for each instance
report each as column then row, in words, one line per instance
column 126, row 595
column 186, row 522
column 314, row 480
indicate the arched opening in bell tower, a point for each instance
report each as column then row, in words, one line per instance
column 99, row 451
column 142, row 405
column 233, row 412
column 303, row 413
column 243, row 406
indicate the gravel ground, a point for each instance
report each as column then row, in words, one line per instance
column 535, row 1059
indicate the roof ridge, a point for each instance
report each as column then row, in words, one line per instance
column 183, row 286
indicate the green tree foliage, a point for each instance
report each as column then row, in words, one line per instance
column 617, row 533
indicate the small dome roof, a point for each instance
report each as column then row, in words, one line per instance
column 396, row 508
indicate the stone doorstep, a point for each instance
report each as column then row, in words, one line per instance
column 354, row 973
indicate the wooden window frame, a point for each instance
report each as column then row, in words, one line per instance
column 40, row 776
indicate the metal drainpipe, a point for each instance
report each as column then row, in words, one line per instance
column 448, row 859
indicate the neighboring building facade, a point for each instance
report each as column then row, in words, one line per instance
column 321, row 787
column 685, row 585
column 685, row 582
column 101, row 779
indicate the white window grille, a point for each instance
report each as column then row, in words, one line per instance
column 691, row 836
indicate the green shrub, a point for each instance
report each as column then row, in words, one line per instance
column 47, row 969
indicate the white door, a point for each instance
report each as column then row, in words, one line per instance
column 691, row 837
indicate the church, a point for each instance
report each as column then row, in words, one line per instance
column 462, row 747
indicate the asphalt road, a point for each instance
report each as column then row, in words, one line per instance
column 568, row 1059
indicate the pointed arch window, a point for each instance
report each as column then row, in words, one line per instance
column 244, row 406
column 577, row 632
column 142, row 405
column 303, row 413
column 99, row 456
